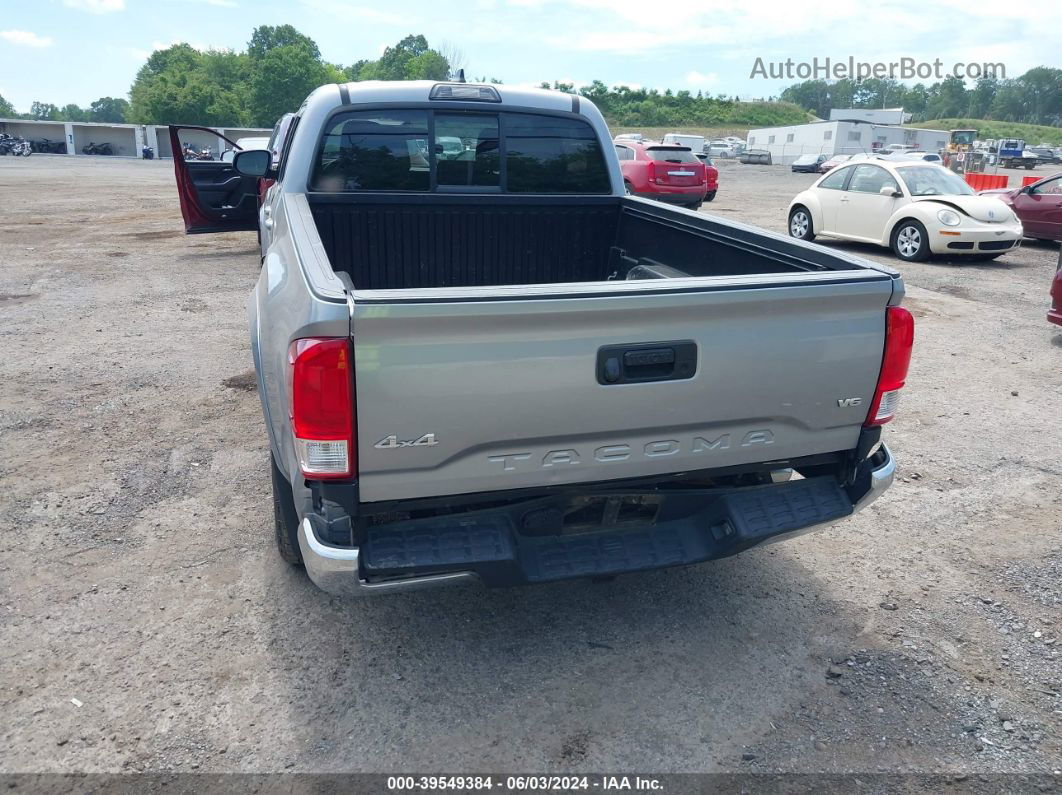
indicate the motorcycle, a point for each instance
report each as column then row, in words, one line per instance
column 14, row 145
column 92, row 148
column 148, row 153
column 48, row 146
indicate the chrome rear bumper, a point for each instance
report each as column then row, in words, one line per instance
column 335, row 569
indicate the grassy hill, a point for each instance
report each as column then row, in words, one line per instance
column 656, row 133
column 1033, row 134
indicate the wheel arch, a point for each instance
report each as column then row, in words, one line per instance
column 808, row 201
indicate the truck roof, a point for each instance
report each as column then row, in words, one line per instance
column 370, row 91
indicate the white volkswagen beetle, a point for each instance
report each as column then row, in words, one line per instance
column 915, row 208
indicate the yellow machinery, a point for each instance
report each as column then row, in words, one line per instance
column 961, row 157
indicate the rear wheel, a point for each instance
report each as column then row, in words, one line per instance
column 627, row 188
column 694, row 206
column 800, row 224
column 910, row 242
column 709, row 195
column 285, row 518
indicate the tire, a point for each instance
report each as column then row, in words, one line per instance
column 910, row 241
column 709, row 195
column 1030, row 166
column 800, row 225
column 627, row 188
column 694, row 206
column 285, row 518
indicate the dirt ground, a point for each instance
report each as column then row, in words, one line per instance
column 147, row 623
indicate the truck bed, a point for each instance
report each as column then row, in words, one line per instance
column 398, row 242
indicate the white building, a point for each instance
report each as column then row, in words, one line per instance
column 872, row 115
column 788, row 143
column 126, row 140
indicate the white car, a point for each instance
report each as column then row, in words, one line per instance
column 915, row 208
column 245, row 143
column 928, row 157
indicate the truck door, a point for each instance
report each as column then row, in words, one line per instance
column 214, row 198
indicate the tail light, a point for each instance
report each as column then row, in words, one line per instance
column 899, row 339
column 322, row 406
column 650, row 171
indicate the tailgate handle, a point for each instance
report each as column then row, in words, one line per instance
column 647, row 361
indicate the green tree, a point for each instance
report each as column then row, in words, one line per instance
column 814, row 95
column 981, row 97
column 429, row 65
column 72, row 112
column 44, row 111
column 7, row 110
column 108, row 109
column 1041, row 89
column 947, row 98
column 282, row 79
column 265, row 38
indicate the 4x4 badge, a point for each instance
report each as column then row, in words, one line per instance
column 392, row 442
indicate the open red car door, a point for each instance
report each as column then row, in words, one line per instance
column 214, row 197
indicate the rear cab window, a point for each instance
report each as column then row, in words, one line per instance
column 426, row 150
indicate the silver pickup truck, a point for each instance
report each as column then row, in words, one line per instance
column 479, row 360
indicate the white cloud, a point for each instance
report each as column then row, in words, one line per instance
column 96, row 6
column 700, row 80
column 915, row 30
column 26, row 39
column 142, row 54
column 342, row 10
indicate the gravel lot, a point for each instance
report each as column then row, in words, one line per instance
column 148, row 624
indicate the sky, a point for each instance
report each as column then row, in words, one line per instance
column 64, row 51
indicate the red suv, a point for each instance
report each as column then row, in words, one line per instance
column 666, row 173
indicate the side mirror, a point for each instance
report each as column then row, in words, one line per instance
column 253, row 162
column 890, row 191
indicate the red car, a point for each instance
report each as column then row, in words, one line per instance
column 666, row 173
column 1054, row 314
column 1038, row 206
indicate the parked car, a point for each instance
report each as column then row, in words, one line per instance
column 833, row 162
column 1045, row 154
column 809, row 164
column 893, row 149
column 255, row 142
column 663, row 172
column 711, row 174
column 520, row 374
column 1038, row 206
column 927, row 157
column 917, row 209
column 1054, row 314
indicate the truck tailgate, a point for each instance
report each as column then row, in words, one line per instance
column 468, row 396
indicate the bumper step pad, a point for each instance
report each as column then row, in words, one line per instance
column 702, row 526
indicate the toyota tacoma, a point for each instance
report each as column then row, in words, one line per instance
column 479, row 359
